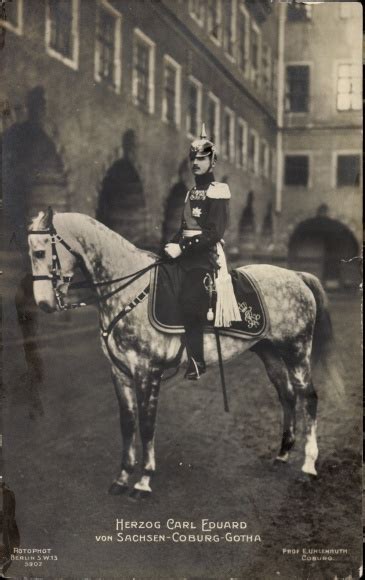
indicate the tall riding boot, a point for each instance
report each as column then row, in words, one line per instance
column 194, row 347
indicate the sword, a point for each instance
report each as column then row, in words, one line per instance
column 209, row 286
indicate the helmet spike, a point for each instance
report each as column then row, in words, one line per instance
column 203, row 133
column 203, row 146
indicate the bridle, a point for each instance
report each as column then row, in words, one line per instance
column 56, row 274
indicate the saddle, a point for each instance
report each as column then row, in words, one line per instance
column 165, row 316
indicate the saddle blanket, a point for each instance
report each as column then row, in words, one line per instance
column 165, row 316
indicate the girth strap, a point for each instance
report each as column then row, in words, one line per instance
column 126, row 310
column 107, row 332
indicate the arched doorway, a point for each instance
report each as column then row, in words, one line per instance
column 247, row 224
column 174, row 204
column 122, row 205
column 33, row 177
column 325, row 247
column 33, row 172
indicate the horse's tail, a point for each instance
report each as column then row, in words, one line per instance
column 323, row 337
column 323, row 347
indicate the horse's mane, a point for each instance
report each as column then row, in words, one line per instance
column 104, row 245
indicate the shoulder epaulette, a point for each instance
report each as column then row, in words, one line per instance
column 218, row 190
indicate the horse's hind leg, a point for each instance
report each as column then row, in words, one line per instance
column 301, row 378
column 147, row 399
column 279, row 376
column 127, row 410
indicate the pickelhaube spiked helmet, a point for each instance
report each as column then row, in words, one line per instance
column 202, row 147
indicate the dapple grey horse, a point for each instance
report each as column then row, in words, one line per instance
column 138, row 353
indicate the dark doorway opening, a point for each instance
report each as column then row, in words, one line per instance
column 328, row 249
column 122, row 205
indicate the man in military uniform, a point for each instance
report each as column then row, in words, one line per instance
column 203, row 224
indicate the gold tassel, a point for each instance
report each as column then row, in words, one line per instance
column 227, row 310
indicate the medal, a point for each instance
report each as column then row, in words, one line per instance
column 196, row 212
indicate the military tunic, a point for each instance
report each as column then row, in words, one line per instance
column 203, row 224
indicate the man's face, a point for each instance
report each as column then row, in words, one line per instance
column 200, row 165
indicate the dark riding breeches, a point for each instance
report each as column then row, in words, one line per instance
column 194, row 303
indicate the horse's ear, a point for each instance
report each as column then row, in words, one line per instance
column 47, row 218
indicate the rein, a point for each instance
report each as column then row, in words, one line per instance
column 56, row 275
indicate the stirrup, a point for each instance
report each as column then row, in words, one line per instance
column 195, row 369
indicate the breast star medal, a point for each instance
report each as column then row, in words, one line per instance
column 196, row 212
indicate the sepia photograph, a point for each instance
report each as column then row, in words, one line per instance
column 181, row 289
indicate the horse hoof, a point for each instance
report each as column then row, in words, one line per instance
column 280, row 464
column 278, row 461
column 118, row 488
column 304, row 477
column 137, row 494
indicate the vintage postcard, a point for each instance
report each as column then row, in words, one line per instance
column 181, row 276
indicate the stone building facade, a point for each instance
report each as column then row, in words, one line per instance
column 321, row 201
column 111, row 92
column 126, row 85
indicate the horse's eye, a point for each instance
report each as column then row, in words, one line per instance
column 39, row 254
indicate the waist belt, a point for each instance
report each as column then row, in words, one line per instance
column 191, row 233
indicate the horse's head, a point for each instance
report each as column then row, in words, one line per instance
column 53, row 262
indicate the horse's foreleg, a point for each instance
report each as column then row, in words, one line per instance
column 127, row 409
column 147, row 400
column 278, row 374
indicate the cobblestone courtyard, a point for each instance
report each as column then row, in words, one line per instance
column 211, row 465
